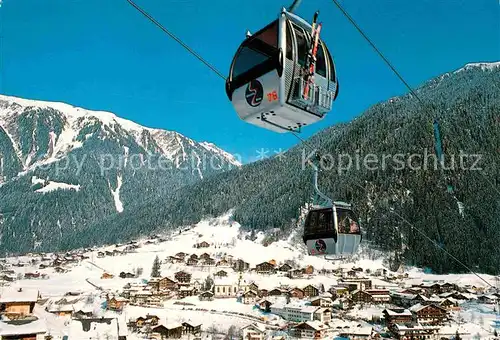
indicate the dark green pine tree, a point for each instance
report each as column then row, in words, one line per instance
column 156, row 270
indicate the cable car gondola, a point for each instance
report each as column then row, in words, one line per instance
column 270, row 82
column 330, row 228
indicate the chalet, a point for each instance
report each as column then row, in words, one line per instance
column 43, row 266
column 361, row 296
column 203, row 244
column 285, row 268
column 431, row 287
column 254, row 332
column 309, row 270
column 359, row 333
column 60, row 309
column 240, row 265
column 188, row 328
column 167, row 284
column 297, row 293
column 194, row 256
column 402, row 299
column 208, row 262
column 310, row 330
column 186, row 291
column 415, row 331
column 204, row 256
column 264, row 305
column 263, row 292
column 151, row 320
column 338, row 290
column 264, row 268
column 295, row 273
column 192, row 262
column 419, row 298
column 397, row 315
column 206, row 296
column 222, row 263
column 116, row 303
column 174, row 259
column 353, row 284
column 429, row 314
column 85, row 312
column 180, row 255
column 489, row 299
column 182, row 277
column 127, row 275
column 18, row 302
column 321, row 302
column 449, row 304
column 352, row 273
column 311, row 291
column 109, row 253
column 35, row 275
column 379, row 295
column 323, row 315
column 23, row 330
column 250, row 297
column 253, row 286
column 106, row 275
column 168, row 331
column 275, row 292
column 60, row 270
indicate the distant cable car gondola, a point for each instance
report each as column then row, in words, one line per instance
column 283, row 77
column 330, row 228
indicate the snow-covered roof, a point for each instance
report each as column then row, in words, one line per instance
column 393, row 312
column 19, row 328
column 317, row 325
column 256, row 326
column 358, row 331
column 19, row 295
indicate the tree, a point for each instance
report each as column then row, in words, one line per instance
column 139, row 271
column 321, row 288
column 495, row 333
column 156, row 270
column 208, row 284
column 457, row 336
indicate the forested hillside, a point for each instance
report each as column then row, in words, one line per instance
column 269, row 193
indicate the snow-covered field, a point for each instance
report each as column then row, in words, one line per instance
column 225, row 238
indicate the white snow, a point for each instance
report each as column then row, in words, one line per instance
column 484, row 66
column 116, row 193
column 214, row 148
column 52, row 186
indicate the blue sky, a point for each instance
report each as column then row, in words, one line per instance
column 103, row 55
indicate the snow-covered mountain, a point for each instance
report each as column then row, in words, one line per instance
column 65, row 167
column 43, row 132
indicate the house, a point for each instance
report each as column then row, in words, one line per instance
column 222, row 263
column 60, row 270
column 311, row 330
column 297, row 293
column 192, row 262
column 18, row 302
column 429, row 314
column 23, row 330
column 323, row 315
column 263, row 292
column 168, row 331
column 127, row 275
column 449, row 304
column 194, row 256
column 204, row 256
column 295, row 313
column 140, row 322
column 60, row 309
column 264, row 268
column 167, row 284
column 264, row 305
column 240, row 265
column 208, row 262
column 253, row 332
column 180, row 255
column 250, row 297
column 311, row 291
column 397, row 315
column 359, row 333
column 206, row 296
column 414, row 331
column 253, row 286
column 186, row 291
column 295, row 273
column 361, row 296
column 309, row 270
column 188, row 328
column 275, row 292
column 488, row 299
column 100, row 254
column 183, row 277
column 321, row 302
column 356, row 283
column 116, row 303
column 106, row 275
column 203, row 244
column 85, row 312
column 285, row 268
